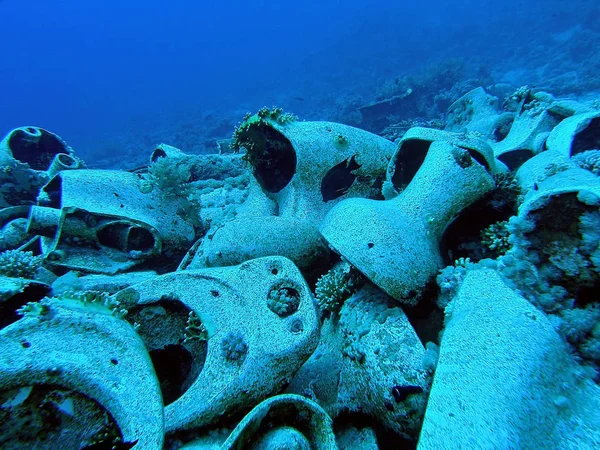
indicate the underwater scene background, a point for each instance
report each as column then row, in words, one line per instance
column 113, row 78
column 299, row 225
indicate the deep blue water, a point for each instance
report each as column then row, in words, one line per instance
column 94, row 71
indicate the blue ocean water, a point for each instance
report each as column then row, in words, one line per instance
column 110, row 74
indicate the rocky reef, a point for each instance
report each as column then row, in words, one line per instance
column 311, row 286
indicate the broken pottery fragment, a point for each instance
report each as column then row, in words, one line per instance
column 395, row 243
column 307, row 166
column 478, row 112
column 104, row 221
column 576, row 134
column 533, row 123
column 242, row 239
column 538, row 168
column 564, row 191
column 13, row 228
column 287, row 422
column 251, row 326
column 369, row 361
column 166, row 151
column 414, row 146
column 29, row 157
column 504, row 377
column 33, row 146
column 83, row 371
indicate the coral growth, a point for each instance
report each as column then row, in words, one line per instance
column 588, row 160
column 283, row 300
column 19, row 264
column 87, row 301
column 242, row 135
column 496, row 238
column 336, row 286
column 171, row 175
column 234, row 347
column 195, row 329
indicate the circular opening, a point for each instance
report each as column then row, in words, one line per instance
column 283, row 299
column 126, row 237
column 67, row 160
column 297, row 326
column 271, row 155
column 35, row 147
column 140, row 239
column 408, row 161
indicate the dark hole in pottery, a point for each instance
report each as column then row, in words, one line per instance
column 30, row 293
column 478, row 157
column 426, row 318
column 515, row 158
column 272, row 157
column 53, row 190
column 157, row 153
column 45, row 415
column 339, row 179
column 178, row 361
column 588, row 138
column 125, row 237
column 173, row 364
column 409, row 158
column 462, row 238
column 297, row 326
column 36, row 147
column 140, row 239
column 503, row 127
column 401, row 393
